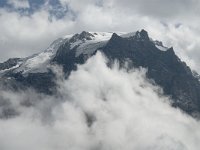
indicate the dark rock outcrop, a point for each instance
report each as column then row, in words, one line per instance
column 9, row 63
column 164, row 67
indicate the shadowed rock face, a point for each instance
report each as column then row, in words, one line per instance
column 67, row 58
column 9, row 63
column 83, row 36
column 163, row 67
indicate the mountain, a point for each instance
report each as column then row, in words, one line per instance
column 164, row 68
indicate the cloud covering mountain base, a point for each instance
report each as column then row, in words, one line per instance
column 97, row 108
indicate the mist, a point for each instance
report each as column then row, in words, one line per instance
column 97, row 108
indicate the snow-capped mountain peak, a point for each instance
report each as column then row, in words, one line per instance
column 81, row 43
column 163, row 66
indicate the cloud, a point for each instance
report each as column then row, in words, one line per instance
column 160, row 8
column 19, row 3
column 25, row 35
column 100, row 108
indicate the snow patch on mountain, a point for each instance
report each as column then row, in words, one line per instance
column 127, row 35
column 160, row 46
column 99, row 39
column 5, row 70
column 40, row 62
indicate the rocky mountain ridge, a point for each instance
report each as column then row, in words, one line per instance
column 162, row 64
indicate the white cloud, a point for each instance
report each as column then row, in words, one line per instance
column 19, row 3
column 127, row 111
column 24, row 35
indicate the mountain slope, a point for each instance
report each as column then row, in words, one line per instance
column 163, row 66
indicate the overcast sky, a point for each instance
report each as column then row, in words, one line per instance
column 29, row 26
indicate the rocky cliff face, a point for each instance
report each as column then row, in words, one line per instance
column 163, row 66
column 9, row 63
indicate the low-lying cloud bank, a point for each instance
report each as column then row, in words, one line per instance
column 98, row 108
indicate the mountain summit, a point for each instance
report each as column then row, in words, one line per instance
column 162, row 64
